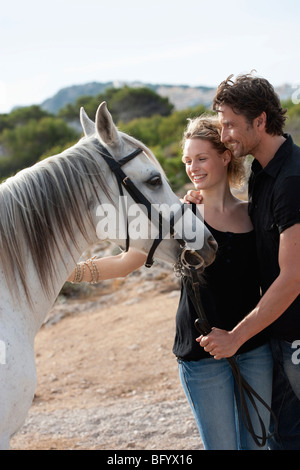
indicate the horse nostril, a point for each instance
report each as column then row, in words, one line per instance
column 191, row 258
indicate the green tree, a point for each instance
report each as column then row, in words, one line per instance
column 131, row 103
column 21, row 116
column 23, row 145
column 125, row 104
column 293, row 119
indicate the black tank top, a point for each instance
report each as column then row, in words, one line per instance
column 230, row 290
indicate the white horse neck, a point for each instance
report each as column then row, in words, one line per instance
column 29, row 315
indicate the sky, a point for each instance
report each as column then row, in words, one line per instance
column 46, row 46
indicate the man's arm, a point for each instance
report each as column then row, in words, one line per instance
column 280, row 295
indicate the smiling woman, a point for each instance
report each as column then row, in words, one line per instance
column 208, row 129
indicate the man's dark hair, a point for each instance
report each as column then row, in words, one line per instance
column 250, row 96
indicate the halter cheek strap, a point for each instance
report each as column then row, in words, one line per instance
column 122, row 178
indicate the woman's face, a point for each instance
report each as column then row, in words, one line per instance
column 204, row 165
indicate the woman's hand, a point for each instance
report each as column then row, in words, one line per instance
column 193, row 196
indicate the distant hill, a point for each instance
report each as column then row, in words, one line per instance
column 181, row 96
column 70, row 94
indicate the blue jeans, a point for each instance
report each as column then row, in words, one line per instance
column 286, row 395
column 210, row 389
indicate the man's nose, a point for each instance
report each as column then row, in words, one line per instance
column 224, row 135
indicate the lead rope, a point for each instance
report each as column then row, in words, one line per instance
column 244, row 389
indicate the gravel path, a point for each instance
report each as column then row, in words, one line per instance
column 129, row 424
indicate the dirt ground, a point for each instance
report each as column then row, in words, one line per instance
column 107, row 377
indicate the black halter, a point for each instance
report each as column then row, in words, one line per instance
column 125, row 181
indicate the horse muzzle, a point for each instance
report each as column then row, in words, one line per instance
column 191, row 259
column 194, row 259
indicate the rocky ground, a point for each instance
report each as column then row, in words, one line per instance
column 107, row 378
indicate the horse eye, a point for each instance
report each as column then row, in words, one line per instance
column 155, row 180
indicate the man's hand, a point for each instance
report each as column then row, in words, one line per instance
column 219, row 343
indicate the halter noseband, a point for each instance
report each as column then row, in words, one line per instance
column 125, row 181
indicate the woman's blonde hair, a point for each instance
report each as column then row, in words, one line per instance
column 207, row 127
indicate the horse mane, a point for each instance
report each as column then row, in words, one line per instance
column 44, row 204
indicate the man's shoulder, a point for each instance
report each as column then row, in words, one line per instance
column 291, row 164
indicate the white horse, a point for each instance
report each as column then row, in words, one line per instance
column 48, row 219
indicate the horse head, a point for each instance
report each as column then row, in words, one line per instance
column 188, row 237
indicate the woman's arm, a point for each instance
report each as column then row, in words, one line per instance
column 109, row 267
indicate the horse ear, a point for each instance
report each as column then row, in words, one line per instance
column 105, row 126
column 88, row 125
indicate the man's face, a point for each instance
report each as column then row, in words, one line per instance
column 237, row 133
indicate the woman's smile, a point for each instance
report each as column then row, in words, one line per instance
column 198, row 177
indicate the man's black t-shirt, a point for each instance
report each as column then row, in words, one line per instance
column 274, row 206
